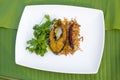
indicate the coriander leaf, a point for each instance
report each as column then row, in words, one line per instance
column 39, row 43
column 47, row 17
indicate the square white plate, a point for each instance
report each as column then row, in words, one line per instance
column 82, row 62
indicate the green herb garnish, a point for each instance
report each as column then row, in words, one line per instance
column 38, row 44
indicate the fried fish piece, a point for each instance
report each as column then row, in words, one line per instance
column 55, row 44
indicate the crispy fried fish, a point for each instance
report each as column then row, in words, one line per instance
column 55, row 44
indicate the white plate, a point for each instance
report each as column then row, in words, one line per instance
column 82, row 62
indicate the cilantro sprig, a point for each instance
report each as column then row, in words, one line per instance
column 39, row 43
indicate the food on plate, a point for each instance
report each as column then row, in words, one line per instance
column 61, row 36
column 73, row 38
column 55, row 44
